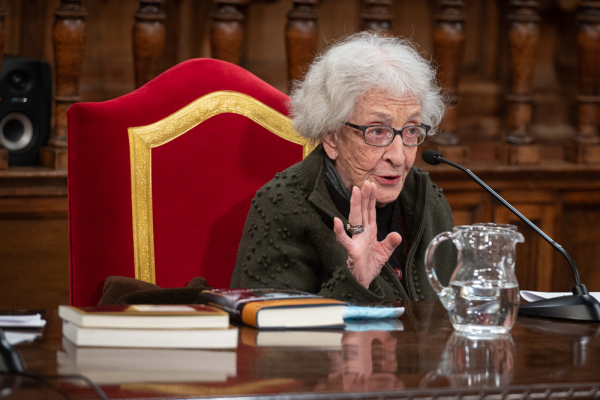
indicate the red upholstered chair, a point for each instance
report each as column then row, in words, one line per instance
column 160, row 180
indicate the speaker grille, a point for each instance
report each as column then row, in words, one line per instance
column 25, row 108
column 16, row 131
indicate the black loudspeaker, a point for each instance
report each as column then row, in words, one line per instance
column 25, row 108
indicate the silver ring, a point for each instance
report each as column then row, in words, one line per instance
column 354, row 229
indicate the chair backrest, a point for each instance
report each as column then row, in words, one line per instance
column 160, row 180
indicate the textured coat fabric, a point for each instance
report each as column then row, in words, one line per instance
column 288, row 239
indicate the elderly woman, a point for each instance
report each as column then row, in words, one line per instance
column 352, row 221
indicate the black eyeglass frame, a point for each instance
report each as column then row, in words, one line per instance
column 363, row 129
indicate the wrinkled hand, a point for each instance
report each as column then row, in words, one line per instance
column 366, row 255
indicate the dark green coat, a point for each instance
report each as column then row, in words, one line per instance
column 288, row 238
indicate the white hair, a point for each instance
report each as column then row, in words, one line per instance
column 338, row 78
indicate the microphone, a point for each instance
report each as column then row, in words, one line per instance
column 579, row 307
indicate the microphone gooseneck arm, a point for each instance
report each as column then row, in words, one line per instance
column 579, row 288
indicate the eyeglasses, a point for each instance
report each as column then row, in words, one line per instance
column 381, row 136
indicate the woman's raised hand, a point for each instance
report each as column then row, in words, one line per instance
column 366, row 255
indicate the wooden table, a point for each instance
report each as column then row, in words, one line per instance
column 542, row 359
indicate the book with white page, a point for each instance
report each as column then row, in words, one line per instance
column 155, row 338
column 195, row 316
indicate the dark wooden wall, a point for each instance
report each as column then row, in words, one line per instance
column 556, row 192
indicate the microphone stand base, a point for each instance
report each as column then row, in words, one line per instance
column 575, row 308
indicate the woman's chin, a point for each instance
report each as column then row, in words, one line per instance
column 387, row 195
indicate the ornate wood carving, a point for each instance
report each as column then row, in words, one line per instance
column 585, row 146
column 301, row 37
column 3, row 151
column 69, row 44
column 148, row 40
column 449, row 40
column 227, row 30
column 376, row 16
column 524, row 37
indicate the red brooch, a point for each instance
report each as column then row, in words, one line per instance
column 398, row 273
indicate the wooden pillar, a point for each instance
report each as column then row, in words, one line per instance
column 585, row 147
column 449, row 41
column 227, row 30
column 69, row 44
column 524, row 37
column 301, row 37
column 3, row 151
column 376, row 16
column 148, row 40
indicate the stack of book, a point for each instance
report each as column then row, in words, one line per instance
column 150, row 326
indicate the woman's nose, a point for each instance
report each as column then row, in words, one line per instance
column 395, row 151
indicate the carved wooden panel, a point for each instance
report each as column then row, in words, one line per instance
column 301, row 36
column 69, row 36
column 579, row 233
column 27, row 244
column 585, row 148
column 523, row 36
column 227, row 30
column 534, row 264
column 148, row 40
column 376, row 16
column 469, row 207
column 449, row 38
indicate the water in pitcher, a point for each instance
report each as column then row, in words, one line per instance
column 484, row 309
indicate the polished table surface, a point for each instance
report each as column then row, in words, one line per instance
column 427, row 359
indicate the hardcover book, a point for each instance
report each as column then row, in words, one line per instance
column 276, row 308
column 154, row 338
column 146, row 317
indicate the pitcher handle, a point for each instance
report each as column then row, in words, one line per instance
column 444, row 293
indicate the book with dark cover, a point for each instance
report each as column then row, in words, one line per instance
column 276, row 308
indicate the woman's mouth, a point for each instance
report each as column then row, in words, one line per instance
column 388, row 180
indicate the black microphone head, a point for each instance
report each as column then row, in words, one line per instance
column 431, row 157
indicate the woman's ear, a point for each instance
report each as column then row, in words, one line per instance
column 330, row 146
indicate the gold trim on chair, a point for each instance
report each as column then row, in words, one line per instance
column 143, row 138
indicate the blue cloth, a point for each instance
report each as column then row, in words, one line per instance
column 354, row 312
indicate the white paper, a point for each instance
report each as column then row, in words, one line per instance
column 22, row 321
column 530, row 295
column 20, row 337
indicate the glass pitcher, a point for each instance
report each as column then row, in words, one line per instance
column 483, row 295
column 475, row 362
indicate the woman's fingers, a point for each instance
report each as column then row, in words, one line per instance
column 372, row 203
column 365, row 194
column 355, row 216
column 390, row 243
column 340, row 234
